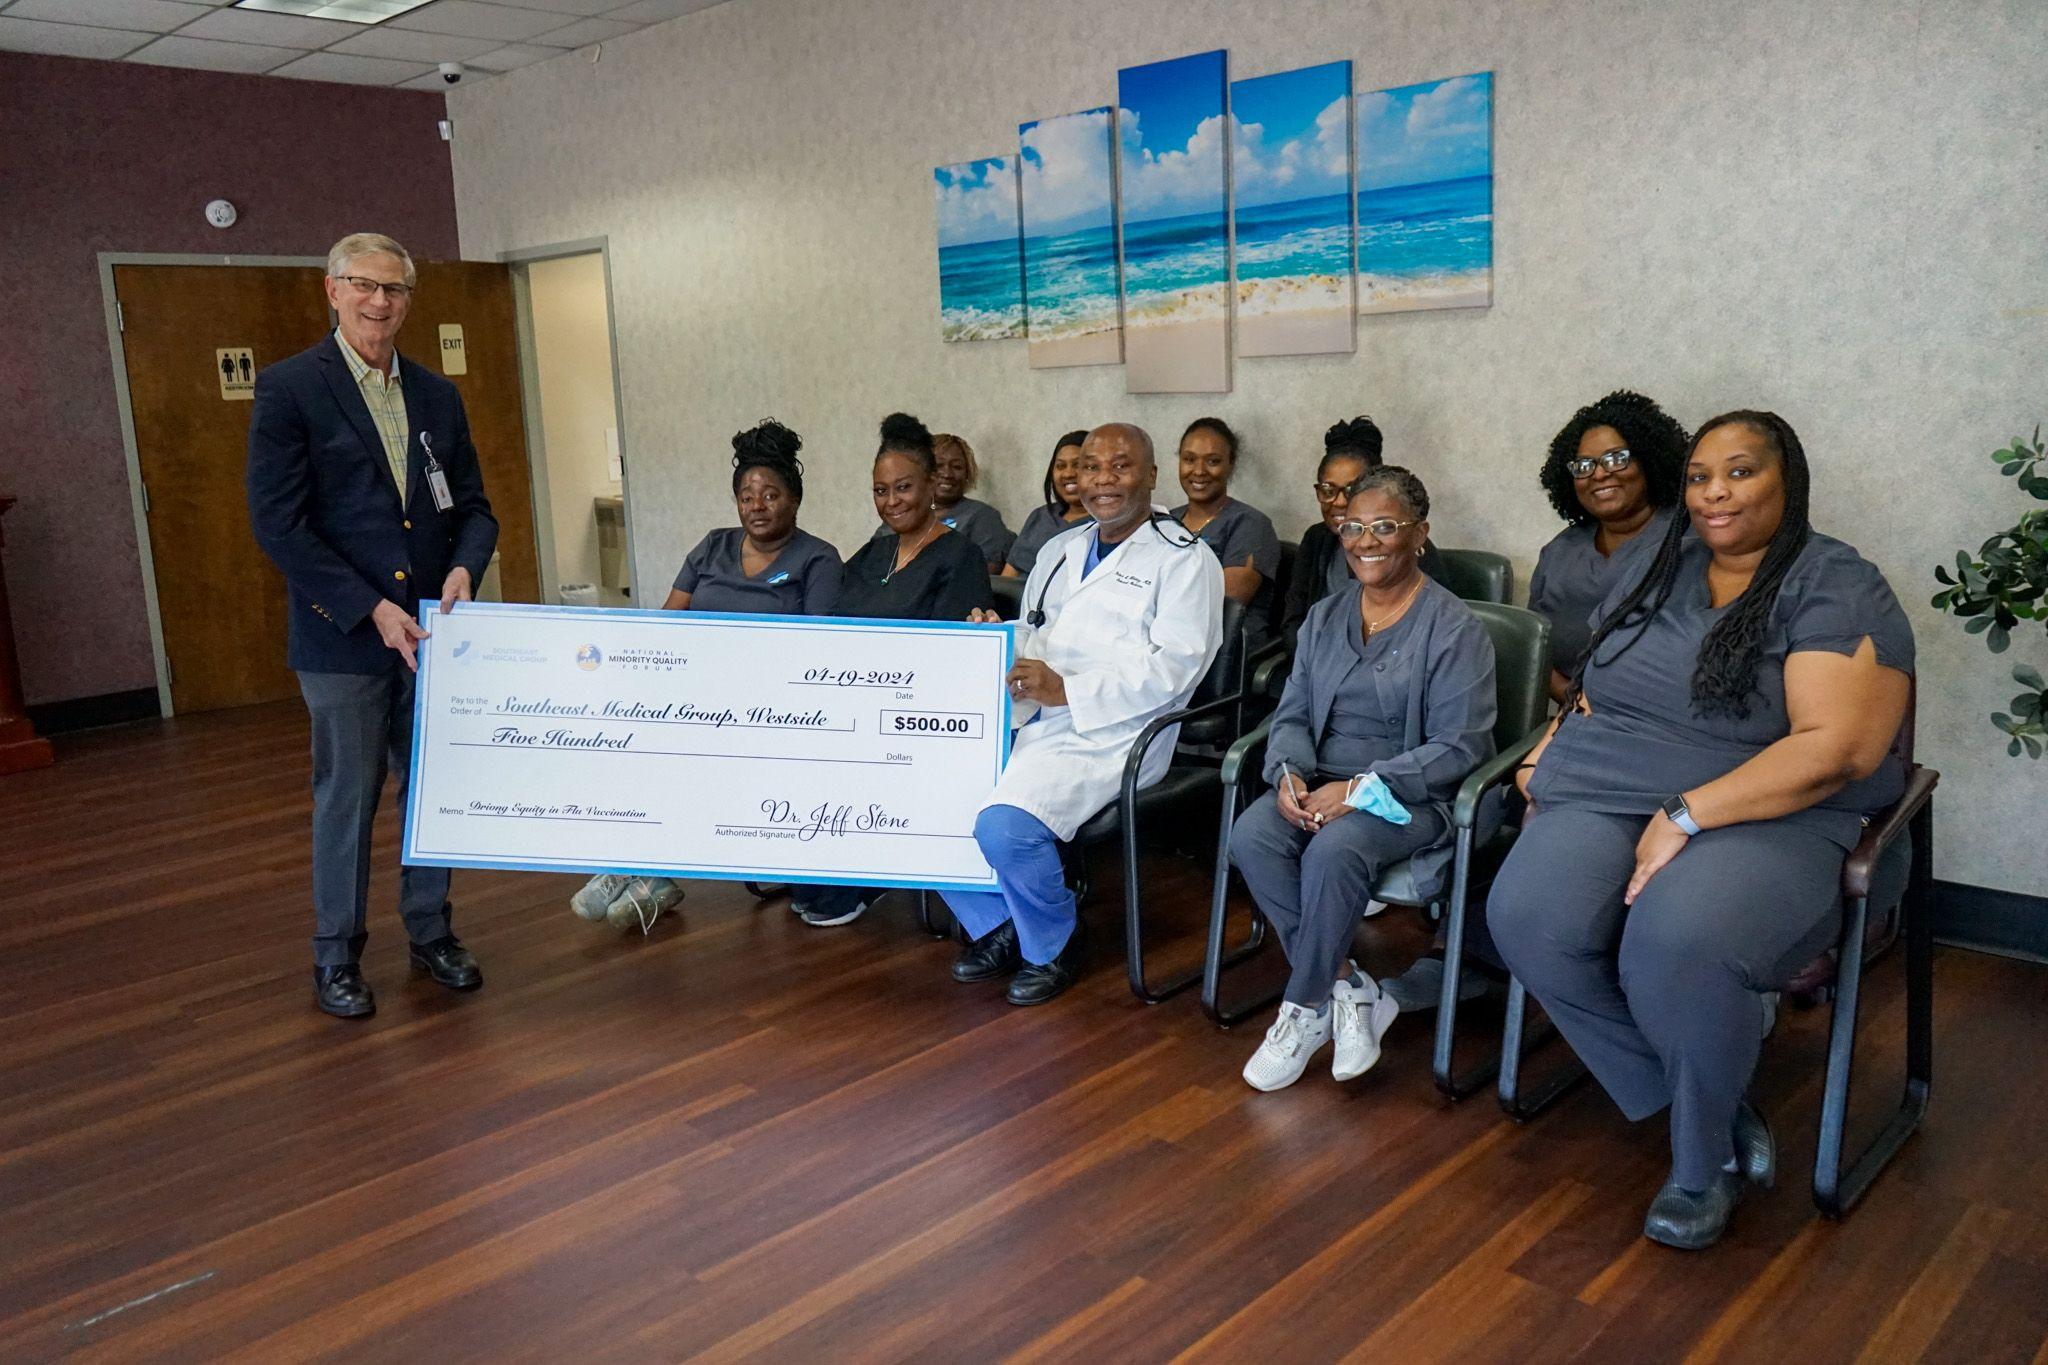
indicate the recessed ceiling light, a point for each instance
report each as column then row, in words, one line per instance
column 348, row 11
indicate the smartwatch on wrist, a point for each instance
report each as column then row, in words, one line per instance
column 1675, row 811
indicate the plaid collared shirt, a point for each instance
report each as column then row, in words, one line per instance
column 385, row 399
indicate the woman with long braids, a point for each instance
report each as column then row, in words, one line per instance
column 766, row 564
column 1721, row 745
column 1612, row 473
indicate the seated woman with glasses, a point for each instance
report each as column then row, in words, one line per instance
column 1241, row 535
column 1061, row 509
column 1349, row 449
column 766, row 564
column 1723, row 742
column 981, row 523
column 1612, row 474
column 1389, row 705
column 922, row 570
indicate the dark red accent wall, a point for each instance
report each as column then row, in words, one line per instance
column 109, row 156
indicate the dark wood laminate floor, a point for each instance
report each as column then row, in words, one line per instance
column 744, row 1137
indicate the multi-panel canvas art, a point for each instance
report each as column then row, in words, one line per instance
column 981, row 260
column 1173, row 182
column 1071, row 292
column 1291, row 168
column 1425, row 196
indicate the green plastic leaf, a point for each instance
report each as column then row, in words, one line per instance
column 1977, row 625
column 2013, row 749
column 1941, row 575
column 1997, row 638
column 2033, row 746
column 2026, row 675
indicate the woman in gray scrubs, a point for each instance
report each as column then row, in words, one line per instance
column 981, row 523
column 1726, row 738
column 1612, row 474
column 1389, row 705
column 1241, row 535
column 766, row 564
column 1350, row 448
column 1061, row 509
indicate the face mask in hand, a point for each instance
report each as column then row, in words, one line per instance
column 1369, row 793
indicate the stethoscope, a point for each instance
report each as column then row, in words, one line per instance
column 1035, row 618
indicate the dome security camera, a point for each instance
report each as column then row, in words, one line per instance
column 451, row 72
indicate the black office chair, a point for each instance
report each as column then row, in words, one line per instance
column 1211, row 720
column 1009, row 594
column 1479, row 575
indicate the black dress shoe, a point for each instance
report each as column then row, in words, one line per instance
column 993, row 954
column 342, row 992
column 1693, row 1221
column 448, row 963
column 1756, row 1151
column 1037, row 982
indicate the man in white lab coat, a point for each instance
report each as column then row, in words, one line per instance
column 1123, row 616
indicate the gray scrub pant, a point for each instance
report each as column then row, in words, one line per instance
column 1661, row 999
column 362, row 724
column 1312, row 888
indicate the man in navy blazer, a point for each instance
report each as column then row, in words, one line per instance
column 365, row 491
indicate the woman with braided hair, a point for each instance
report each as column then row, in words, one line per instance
column 1722, row 743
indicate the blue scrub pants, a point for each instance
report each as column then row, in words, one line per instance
column 1034, row 894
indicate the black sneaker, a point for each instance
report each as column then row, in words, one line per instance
column 993, row 954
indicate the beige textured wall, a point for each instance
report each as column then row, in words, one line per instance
column 573, row 356
column 1834, row 209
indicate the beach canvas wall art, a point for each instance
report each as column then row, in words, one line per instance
column 1291, row 164
column 981, row 250
column 1425, row 196
column 1172, row 177
column 1072, row 296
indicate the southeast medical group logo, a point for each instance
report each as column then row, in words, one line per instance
column 461, row 650
column 589, row 658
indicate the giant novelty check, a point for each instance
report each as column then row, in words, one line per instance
column 699, row 744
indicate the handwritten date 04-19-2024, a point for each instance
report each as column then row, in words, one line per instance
column 856, row 677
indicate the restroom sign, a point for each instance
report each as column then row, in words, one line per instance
column 235, row 368
column 454, row 360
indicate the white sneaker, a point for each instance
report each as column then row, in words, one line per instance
column 597, row 894
column 1295, row 1037
column 641, row 902
column 1360, row 1016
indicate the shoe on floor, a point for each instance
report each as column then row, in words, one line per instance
column 1036, row 983
column 829, row 912
column 1420, row 989
column 642, row 901
column 993, row 954
column 1756, row 1151
column 448, row 963
column 342, row 992
column 597, row 895
column 1693, row 1221
column 1359, row 1017
column 1296, row 1036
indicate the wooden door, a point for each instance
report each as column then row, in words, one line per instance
column 477, row 296
column 220, row 600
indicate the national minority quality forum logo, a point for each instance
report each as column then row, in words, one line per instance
column 589, row 657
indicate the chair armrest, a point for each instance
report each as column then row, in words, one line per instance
column 1879, row 834
column 1142, row 745
column 1248, row 751
column 1269, row 666
column 1465, row 808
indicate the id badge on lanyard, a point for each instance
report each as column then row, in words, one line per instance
column 437, row 480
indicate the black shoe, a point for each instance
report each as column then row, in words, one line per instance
column 1756, row 1151
column 342, row 992
column 1038, row 982
column 1693, row 1221
column 448, row 963
column 993, row 954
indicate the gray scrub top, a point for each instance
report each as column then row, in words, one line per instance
column 1573, row 578
column 803, row 580
column 1042, row 525
column 1416, row 703
column 1238, row 531
column 982, row 524
column 1642, row 744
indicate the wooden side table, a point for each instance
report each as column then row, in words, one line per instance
column 20, row 749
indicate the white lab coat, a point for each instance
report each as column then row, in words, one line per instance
column 1131, row 642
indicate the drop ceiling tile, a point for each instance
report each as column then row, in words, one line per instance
column 655, row 11
column 513, row 56
column 418, row 47
column 68, row 40
column 199, row 54
column 573, row 8
column 279, row 30
column 585, row 32
column 474, row 19
column 332, row 66
column 153, row 16
column 349, row 11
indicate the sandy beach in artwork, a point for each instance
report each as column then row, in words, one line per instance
column 1177, row 341
column 1080, row 348
column 1294, row 315
column 1399, row 294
